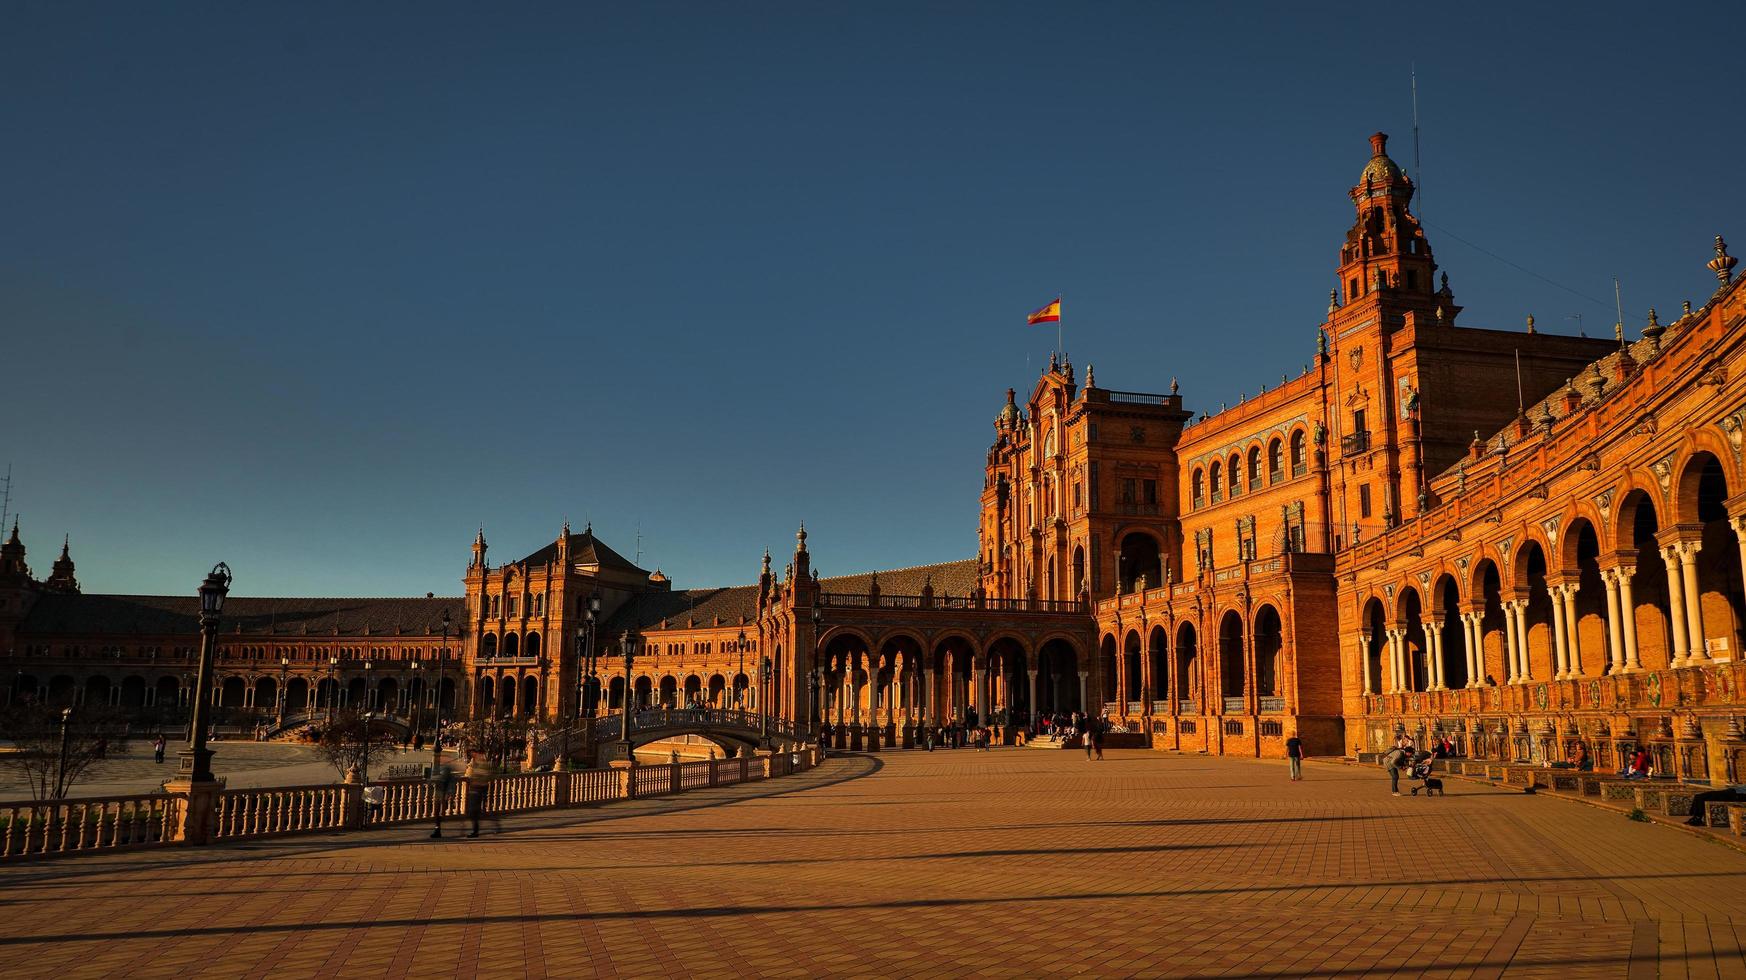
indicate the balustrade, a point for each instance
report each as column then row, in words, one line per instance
column 281, row 810
column 97, row 824
column 33, row 828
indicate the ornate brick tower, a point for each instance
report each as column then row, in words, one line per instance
column 61, row 578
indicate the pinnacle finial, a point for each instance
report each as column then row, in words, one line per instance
column 66, row 540
column 800, row 538
column 1723, row 264
column 1333, row 301
column 1174, row 387
column 1530, row 323
column 1090, row 377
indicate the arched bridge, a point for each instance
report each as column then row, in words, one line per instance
column 732, row 730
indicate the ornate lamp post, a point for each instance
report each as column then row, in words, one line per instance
column 364, row 768
column 416, row 715
column 436, row 735
column 284, row 670
column 739, row 692
column 817, row 670
column 332, row 686
column 592, row 681
column 196, row 760
column 628, row 645
column 764, row 701
column 369, row 689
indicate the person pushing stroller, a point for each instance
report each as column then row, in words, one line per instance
column 1421, row 771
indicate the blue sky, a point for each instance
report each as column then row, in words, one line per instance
column 319, row 289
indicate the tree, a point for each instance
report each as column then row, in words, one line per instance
column 53, row 747
column 350, row 739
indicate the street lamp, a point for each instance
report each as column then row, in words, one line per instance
column 332, row 685
column 364, row 768
column 196, row 760
column 628, row 645
column 764, row 702
column 417, row 703
column 284, row 669
column 66, row 740
column 369, row 690
column 739, row 693
column 817, row 669
column 436, row 735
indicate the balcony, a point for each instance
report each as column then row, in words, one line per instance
column 1131, row 508
column 1234, row 706
column 1357, row 442
column 1273, row 706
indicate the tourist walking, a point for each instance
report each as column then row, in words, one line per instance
column 158, row 749
column 442, row 781
column 1294, row 755
column 1098, row 729
column 479, row 773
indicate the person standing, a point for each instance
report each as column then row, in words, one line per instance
column 1098, row 728
column 442, row 782
column 1294, row 755
column 158, row 749
column 1396, row 760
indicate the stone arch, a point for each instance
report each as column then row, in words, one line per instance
column 1058, row 676
column 1139, row 552
column 1078, row 570
column 167, row 692
column 693, row 691
column 97, row 690
column 1637, row 536
column 1452, row 633
column 642, row 692
column 133, row 691
column 1275, row 460
column 1106, row 660
column 1009, row 664
column 1375, row 635
column 1529, row 572
column 1215, row 479
column 1187, row 664
column 1298, row 451
column 266, row 694
column 488, row 645
column 1233, row 679
column 1197, row 486
column 1255, row 475
column 531, row 646
column 1158, row 657
column 1269, row 652
column 1409, row 617
column 511, row 645
column 232, row 692
column 1718, row 607
column 297, row 695
column 615, row 694
column 1133, row 652
column 1579, row 550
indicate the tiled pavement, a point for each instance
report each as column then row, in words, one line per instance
column 1010, row 863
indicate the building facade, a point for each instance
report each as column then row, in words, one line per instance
column 1513, row 538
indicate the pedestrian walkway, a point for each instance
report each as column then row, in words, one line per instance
column 1008, row 863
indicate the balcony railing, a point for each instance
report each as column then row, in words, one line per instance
column 1355, row 443
column 1272, row 706
column 1234, row 705
column 1131, row 508
column 1185, row 706
column 1138, row 398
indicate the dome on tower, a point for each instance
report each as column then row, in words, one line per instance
column 1009, row 412
column 1380, row 169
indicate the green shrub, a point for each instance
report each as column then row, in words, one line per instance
column 1638, row 815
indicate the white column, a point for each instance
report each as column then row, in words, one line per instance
column 1391, row 683
column 1033, row 701
column 1676, row 605
column 1628, row 617
column 1512, row 668
column 1082, row 702
column 1560, row 661
column 1467, row 646
column 1527, row 662
column 1694, row 598
column 1572, row 632
column 1364, row 660
column 1434, row 653
column 1398, row 638
column 1615, row 623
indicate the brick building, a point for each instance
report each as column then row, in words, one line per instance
column 1513, row 538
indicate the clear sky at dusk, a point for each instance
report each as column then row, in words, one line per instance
column 318, row 290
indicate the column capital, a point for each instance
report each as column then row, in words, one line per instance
column 1677, row 538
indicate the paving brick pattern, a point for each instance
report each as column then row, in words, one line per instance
column 954, row 864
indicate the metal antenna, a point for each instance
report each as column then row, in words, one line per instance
column 1578, row 318
column 1521, row 407
column 1417, row 179
column 1619, row 307
column 6, row 502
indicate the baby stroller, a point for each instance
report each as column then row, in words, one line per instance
column 1421, row 771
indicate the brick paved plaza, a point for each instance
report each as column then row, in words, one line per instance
column 1010, row 863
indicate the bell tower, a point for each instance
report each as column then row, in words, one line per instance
column 1385, row 251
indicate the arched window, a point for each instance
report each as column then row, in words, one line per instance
column 1297, row 461
column 1215, row 483
column 1236, row 474
column 1198, row 483
column 1275, row 461
column 1254, row 467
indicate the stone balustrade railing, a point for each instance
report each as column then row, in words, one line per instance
column 280, row 810
column 98, row 824
column 61, row 827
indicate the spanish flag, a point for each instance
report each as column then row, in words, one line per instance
column 1048, row 314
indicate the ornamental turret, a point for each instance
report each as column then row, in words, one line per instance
column 61, row 578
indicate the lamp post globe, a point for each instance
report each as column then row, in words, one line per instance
column 196, row 760
column 628, row 645
column 764, row 673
